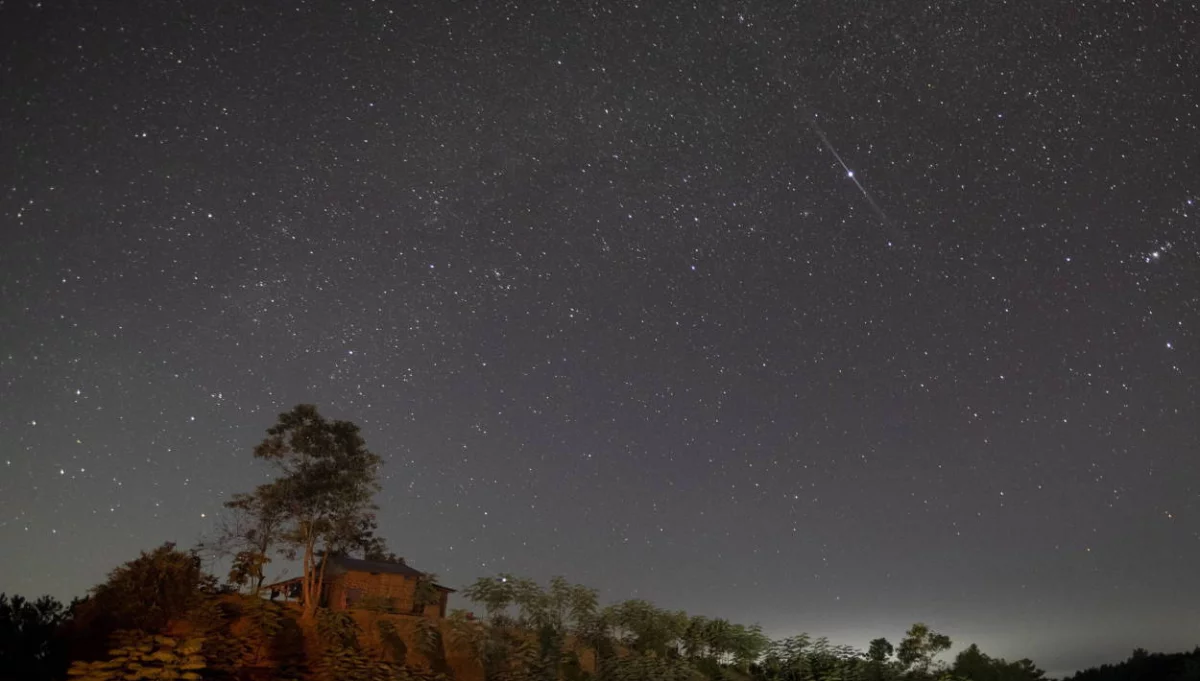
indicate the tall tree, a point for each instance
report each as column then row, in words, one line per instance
column 879, row 650
column 920, row 646
column 322, row 496
column 552, row 615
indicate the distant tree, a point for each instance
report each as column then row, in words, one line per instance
column 801, row 658
column 879, row 650
column 321, row 499
column 748, row 646
column 32, row 646
column 878, row 665
column 643, row 628
column 1025, row 670
column 973, row 664
column 920, row 646
column 692, row 641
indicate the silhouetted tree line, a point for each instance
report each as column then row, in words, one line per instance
column 320, row 503
column 32, row 645
column 1144, row 666
column 529, row 633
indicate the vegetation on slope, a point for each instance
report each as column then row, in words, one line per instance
column 160, row 616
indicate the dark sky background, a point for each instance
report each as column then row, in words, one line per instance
column 591, row 282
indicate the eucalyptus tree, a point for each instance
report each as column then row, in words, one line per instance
column 919, row 647
column 641, row 627
column 321, row 497
column 747, row 645
column 517, row 608
column 801, row 658
column 694, row 640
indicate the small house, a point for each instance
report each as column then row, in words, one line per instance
column 351, row 583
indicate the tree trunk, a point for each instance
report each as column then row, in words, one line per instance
column 321, row 579
column 306, row 583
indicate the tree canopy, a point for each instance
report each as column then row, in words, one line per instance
column 320, row 502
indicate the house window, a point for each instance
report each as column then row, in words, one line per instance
column 353, row 596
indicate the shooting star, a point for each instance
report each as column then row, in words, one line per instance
column 849, row 173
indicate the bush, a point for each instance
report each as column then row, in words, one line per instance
column 142, row 656
column 148, row 592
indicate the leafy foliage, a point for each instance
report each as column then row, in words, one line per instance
column 266, row 623
column 320, row 501
column 249, row 569
column 246, row 536
column 392, row 643
column 528, row 626
column 223, row 651
column 643, row 667
column 144, row 656
column 343, row 659
column 528, row 629
column 468, row 634
column 350, row 664
column 879, row 650
column 337, row 628
column 920, row 646
column 534, row 634
column 426, row 592
column 429, row 637
column 975, row 665
column 800, row 658
column 147, row 592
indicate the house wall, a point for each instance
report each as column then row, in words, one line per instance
column 437, row 609
column 400, row 589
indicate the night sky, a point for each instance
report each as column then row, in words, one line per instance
column 832, row 316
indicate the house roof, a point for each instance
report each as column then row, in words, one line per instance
column 360, row 565
column 385, row 567
column 346, row 564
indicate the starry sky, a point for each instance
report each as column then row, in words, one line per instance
column 832, row 316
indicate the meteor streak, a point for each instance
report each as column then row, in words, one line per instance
column 849, row 173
